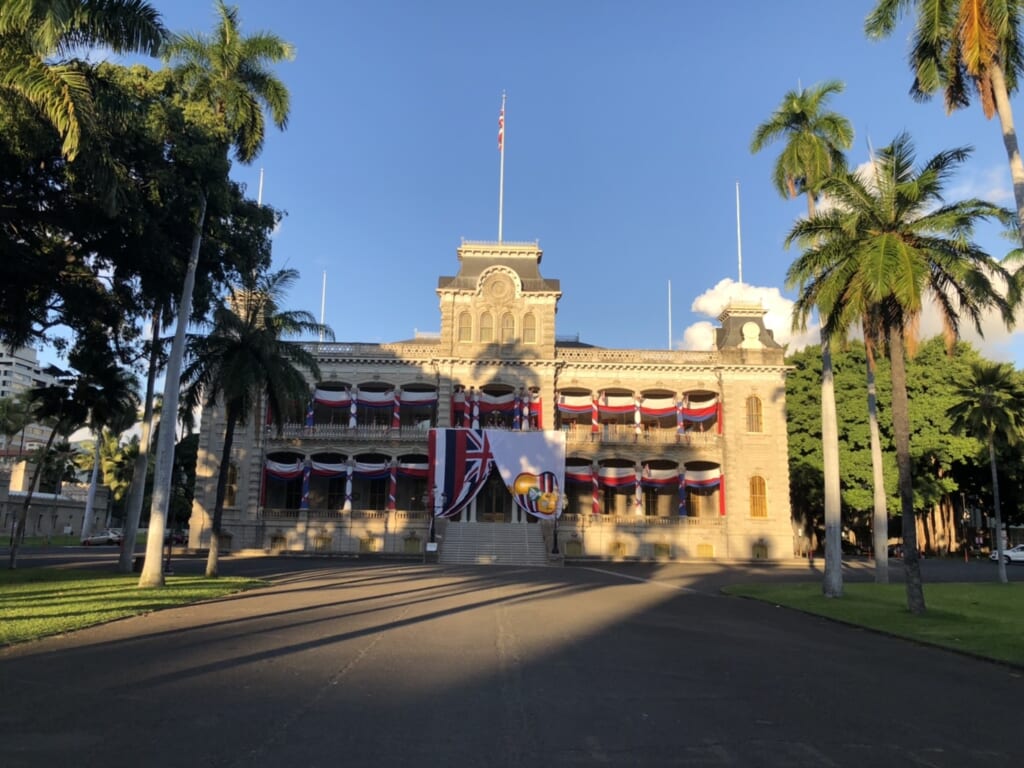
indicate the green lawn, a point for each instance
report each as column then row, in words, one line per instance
column 983, row 619
column 36, row 602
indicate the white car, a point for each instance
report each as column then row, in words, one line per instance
column 1011, row 555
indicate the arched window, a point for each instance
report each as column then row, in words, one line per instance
column 231, row 491
column 758, row 497
column 508, row 328
column 465, row 327
column 486, row 328
column 529, row 329
column 755, row 422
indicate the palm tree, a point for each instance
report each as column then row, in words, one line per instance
column 991, row 408
column 113, row 407
column 60, row 407
column 15, row 416
column 880, row 517
column 960, row 46
column 229, row 73
column 140, row 470
column 889, row 245
column 245, row 358
column 38, row 39
column 815, row 140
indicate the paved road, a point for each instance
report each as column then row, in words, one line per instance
column 344, row 663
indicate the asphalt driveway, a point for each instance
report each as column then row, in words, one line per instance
column 348, row 663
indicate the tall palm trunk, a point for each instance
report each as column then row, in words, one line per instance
column 138, row 491
column 18, row 530
column 880, row 518
column 1005, row 112
column 901, row 437
column 152, row 569
column 832, row 584
column 995, row 504
column 222, row 485
column 94, row 477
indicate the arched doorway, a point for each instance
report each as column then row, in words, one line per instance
column 494, row 502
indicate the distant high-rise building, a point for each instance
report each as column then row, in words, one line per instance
column 20, row 371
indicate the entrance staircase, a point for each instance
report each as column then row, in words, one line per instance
column 493, row 544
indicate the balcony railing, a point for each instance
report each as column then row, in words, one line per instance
column 566, row 520
column 345, row 432
column 574, row 433
column 640, row 521
column 627, row 433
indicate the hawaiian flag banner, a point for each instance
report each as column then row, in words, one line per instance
column 532, row 466
column 460, row 460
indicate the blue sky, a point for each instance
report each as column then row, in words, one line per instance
column 627, row 128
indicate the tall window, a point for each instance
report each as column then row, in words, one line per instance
column 293, row 493
column 465, row 327
column 336, row 492
column 486, row 328
column 651, row 502
column 508, row 329
column 378, row 494
column 758, row 497
column 755, row 422
column 530, row 328
column 231, row 491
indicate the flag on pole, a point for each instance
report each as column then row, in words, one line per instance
column 501, row 128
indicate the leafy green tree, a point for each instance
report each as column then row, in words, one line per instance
column 962, row 47
column 245, row 357
column 889, row 245
column 991, row 408
column 226, row 76
column 814, row 142
column 38, row 38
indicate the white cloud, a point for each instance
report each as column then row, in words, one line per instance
column 998, row 343
column 778, row 318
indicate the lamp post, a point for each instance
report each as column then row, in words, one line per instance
column 434, row 502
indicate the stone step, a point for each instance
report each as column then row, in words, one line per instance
column 493, row 543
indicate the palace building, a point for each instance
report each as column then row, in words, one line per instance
column 496, row 440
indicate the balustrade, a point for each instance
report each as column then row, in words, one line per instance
column 627, row 433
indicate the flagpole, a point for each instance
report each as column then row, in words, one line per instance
column 501, row 172
column 259, row 193
column 670, row 314
column 739, row 239
column 323, row 303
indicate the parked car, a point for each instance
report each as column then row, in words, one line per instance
column 1011, row 555
column 106, row 536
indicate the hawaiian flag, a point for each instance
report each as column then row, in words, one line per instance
column 459, row 460
column 501, row 130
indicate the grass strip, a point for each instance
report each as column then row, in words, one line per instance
column 38, row 602
column 984, row 619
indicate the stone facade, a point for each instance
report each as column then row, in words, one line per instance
column 715, row 420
